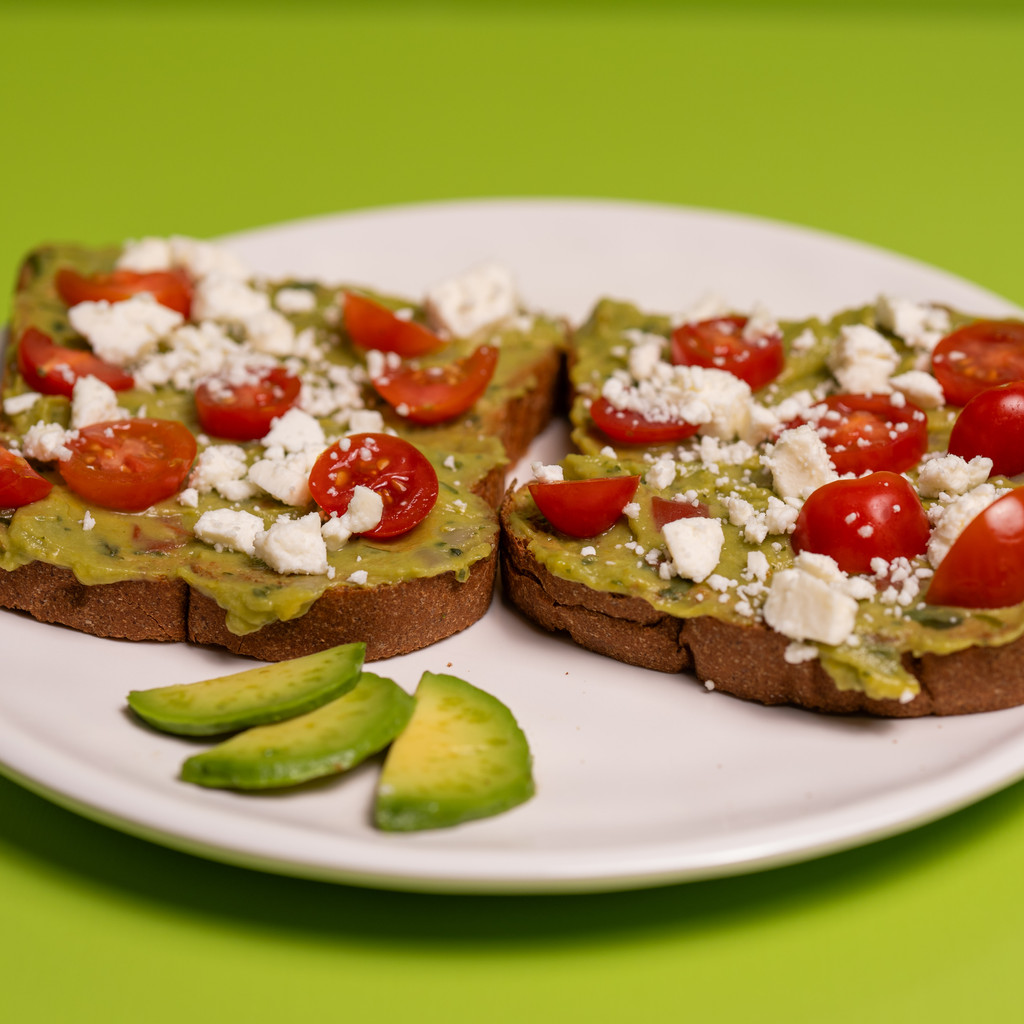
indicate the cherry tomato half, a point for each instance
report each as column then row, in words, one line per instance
column 720, row 344
column 434, row 394
column 372, row 326
column 981, row 355
column 20, row 484
column 242, row 410
column 395, row 469
column 664, row 510
column 985, row 566
column 854, row 521
column 129, row 465
column 53, row 369
column 171, row 288
column 630, row 427
column 584, row 508
column 992, row 424
column 864, row 433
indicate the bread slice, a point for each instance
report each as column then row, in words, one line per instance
column 146, row 577
column 745, row 660
column 625, row 595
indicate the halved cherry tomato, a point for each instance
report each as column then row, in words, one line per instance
column 20, row 484
column 854, row 521
column 130, row 464
column 584, row 508
column 663, row 510
column 53, row 369
column 985, row 566
column 864, row 433
column 981, row 355
column 630, row 427
column 720, row 344
column 171, row 288
column 395, row 469
column 372, row 326
column 992, row 424
column 434, row 394
column 242, row 410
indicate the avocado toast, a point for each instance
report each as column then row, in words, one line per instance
column 238, row 553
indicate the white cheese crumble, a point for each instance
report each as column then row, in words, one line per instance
column 295, row 300
column 17, row 404
column 799, row 462
column 92, row 401
column 229, row 528
column 546, row 474
column 920, row 387
column 124, row 332
column 295, row 431
column 694, row 546
column 919, row 325
column 293, row 546
column 462, row 305
column 952, row 475
column 222, row 468
column 863, row 360
column 47, row 442
column 803, row 606
column 364, row 512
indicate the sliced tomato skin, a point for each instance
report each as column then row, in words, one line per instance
column 20, row 484
column 719, row 344
column 628, row 427
column 171, row 288
column 992, row 424
column 664, row 510
column 245, row 412
column 397, row 470
column 436, row 394
column 129, row 465
column 855, row 521
column 985, row 566
column 978, row 356
column 53, row 369
column 372, row 326
column 869, row 433
column 584, row 508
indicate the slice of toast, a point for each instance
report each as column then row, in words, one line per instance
column 146, row 576
column 624, row 595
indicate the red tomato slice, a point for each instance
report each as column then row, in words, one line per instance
column 371, row 326
column 53, row 369
column 865, row 433
column 985, row 566
column 630, row 427
column 20, row 484
column 395, row 469
column 584, row 508
column 243, row 410
column 854, row 521
column 992, row 424
column 129, row 465
column 434, row 394
column 981, row 355
column 665, row 511
column 720, row 344
column 171, row 288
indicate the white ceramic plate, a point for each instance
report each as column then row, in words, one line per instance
column 642, row 778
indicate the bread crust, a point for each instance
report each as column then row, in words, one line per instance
column 747, row 661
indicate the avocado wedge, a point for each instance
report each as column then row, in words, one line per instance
column 326, row 741
column 256, row 696
column 462, row 756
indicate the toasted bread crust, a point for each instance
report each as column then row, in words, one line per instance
column 747, row 661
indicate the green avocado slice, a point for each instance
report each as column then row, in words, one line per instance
column 326, row 741
column 256, row 696
column 462, row 756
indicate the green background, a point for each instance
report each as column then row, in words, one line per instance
column 898, row 124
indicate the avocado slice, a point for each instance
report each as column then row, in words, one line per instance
column 325, row 741
column 256, row 696
column 462, row 756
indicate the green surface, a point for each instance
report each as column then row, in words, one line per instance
column 902, row 129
